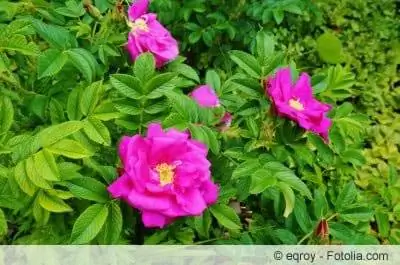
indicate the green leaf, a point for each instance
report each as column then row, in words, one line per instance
column 329, row 48
column 127, row 85
column 22, row 179
column 202, row 224
column 3, row 224
column 285, row 236
column 46, row 166
column 382, row 219
column 246, row 168
column 356, row 215
column 6, row 114
column 346, row 197
column 89, row 224
column 73, row 109
column 213, row 80
column 69, row 148
column 212, row 140
column 226, row 216
column 128, row 109
column 278, row 15
column 58, row 132
column 320, row 204
column 160, row 82
column 186, row 71
column 17, row 43
column 51, row 62
column 97, row 131
column 156, row 238
column 58, row 37
column 90, row 97
column 144, row 67
column 246, row 62
column 84, row 62
column 293, row 181
column 72, row 9
column 112, row 228
column 261, row 179
column 52, row 203
column 34, row 175
column 302, row 216
column 88, row 188
column 289, row 196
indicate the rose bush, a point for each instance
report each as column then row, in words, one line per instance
column 242, row 147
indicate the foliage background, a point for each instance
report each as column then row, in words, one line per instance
column 68, row 92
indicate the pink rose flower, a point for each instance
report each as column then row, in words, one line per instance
column 148, row 35
column 296, row 102
column 166, row 175
column 205, row 96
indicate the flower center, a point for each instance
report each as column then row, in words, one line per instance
column 295, row 103
column 165, row 173
column 138, row 24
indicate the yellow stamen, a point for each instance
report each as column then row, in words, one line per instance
column 166, row 173
column 138, row 24
column 295, row 103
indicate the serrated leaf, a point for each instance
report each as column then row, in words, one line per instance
column 88, row 188
column 127, row 85
column 261, row 179
column 6, row 114
column 213, row 80
column 246, row 62
column 212, row 140
column 246, row 168
column 80, row 59
column 58, row 37
column 89, row 224
column 346, row 197
column 58, row 132
column 320, row 204
column 3, row 224
column 51, row 62
column 34, row 175
column 52, row 203
column 289, row 196
column 111, row 231
column 46, row 165
column 144, row 67
column 18, row 43
column 73, row 109
column 159, row 82
column 128, row 109
column 186, row 71
column 97, row 131
column 22, row 179
column 202, row 224
column 302, row 216
column 90, row 97
column 226, row 216
column 69, row 148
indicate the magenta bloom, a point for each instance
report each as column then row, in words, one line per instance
column 148, row 35
column 166, row 175
column 296, row 102
column 205, row 96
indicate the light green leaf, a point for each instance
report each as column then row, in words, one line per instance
column 3, row 224
column 58, row 37
column 246, row 168
column 346, row 197
column 127, row 85
column 73, row 109
column 89, row 224
column 246, row 62
column 329, row 48
column 213, row 80
column 80, row 59
column 22, row 179
column 34, row 175
column 46, row 165
column 52, row 203
column 293, row 181
column 6, row 114
column 17, row 43
column 111, row 231
column 58, row 132
column 128, row 109
column 144, row 67
column 202, row 224
column 88, row 188
column 226, row 216
column 51, row 62
column 261, row 179
column 97, row 131
column 69, row 148
column 186, row 71
column 289, row 196
column 160, row 81
column 90, row 97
